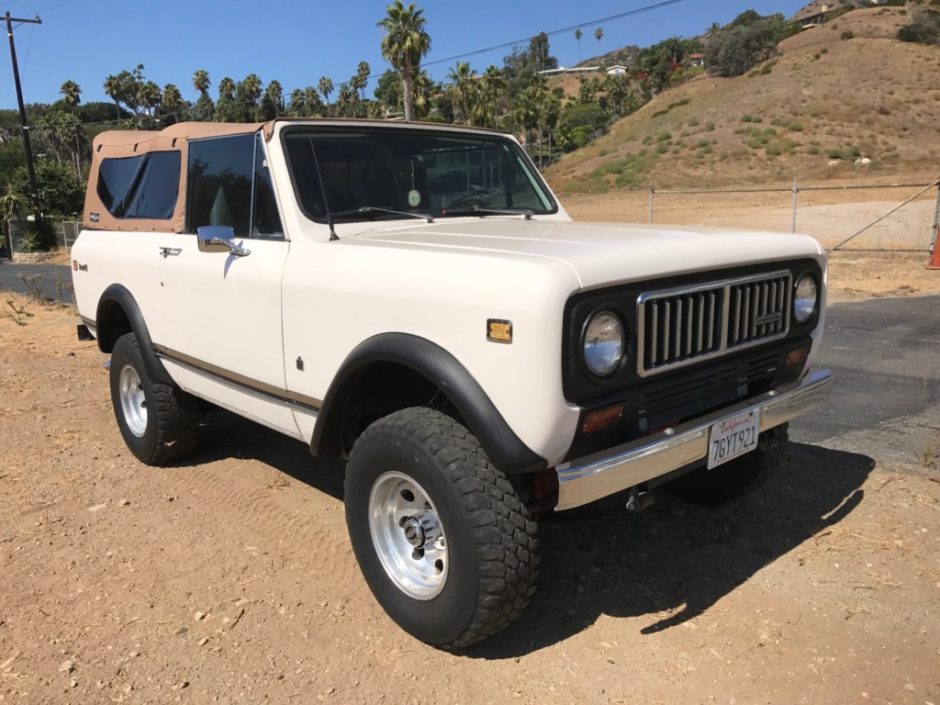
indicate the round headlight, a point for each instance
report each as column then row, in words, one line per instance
column 603, row 344
column 806, row 298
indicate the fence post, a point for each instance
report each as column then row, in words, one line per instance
column 796, row 197
column 652, row 198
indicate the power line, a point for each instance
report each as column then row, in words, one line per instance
column 563, row 30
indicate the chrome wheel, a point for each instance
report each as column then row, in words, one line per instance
column 407, row 535
column 133, row 401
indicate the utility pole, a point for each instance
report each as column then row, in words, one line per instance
column 27, row 147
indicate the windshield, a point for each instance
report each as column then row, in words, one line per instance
column 367, row 172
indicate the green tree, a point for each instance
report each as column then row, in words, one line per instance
column 599, row 33
column 388, row 91
column 71, row 94
column 325, row 86
column 60, row 191
column 204, row 106
column 577, row 36
column 361, row 79
column 295, row 105
column 464, row 84
column 404, row 45
column 747, row 41
column 225, row 104
column 62, row 132
column 272, row 105
column 247, row 97
column 171, row 104
column 312, row 104
column 114, row 89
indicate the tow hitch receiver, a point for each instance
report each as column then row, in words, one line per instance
column 640, row 498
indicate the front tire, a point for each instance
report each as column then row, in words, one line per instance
column 442, row 539
column 159, row 422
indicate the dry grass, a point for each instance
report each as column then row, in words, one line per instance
column 811, row 111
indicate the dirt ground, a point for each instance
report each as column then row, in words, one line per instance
column 230, row 578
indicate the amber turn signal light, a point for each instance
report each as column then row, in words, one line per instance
column 498, row 331
column 797, row 356
column 603, row 419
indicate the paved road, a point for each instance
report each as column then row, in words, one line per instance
column 885, row 358
column 10, row 276
column 884, row 353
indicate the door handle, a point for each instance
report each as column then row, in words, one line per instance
column 170, row 251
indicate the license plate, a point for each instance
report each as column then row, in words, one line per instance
column 732, row 437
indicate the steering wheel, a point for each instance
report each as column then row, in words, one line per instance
column 469, row 199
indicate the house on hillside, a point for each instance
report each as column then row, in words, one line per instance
column 814, row 14
column 696, row 60
column 561, row 70
column 617, row 70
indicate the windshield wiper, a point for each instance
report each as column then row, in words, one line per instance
column 484, row 211
column 371, row 210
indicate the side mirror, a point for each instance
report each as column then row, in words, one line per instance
column 219, row 238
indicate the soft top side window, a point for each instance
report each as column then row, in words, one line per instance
column 143, row 186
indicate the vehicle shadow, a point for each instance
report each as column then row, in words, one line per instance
column 225, row 435
column 603, row 560
column 680, row 559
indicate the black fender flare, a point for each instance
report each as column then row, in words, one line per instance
column 505, row 449
column 117, row 295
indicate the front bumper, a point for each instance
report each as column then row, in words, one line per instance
column 586, row 479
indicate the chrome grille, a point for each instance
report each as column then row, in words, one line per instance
column 759, row 309
column 678, row 327
column 682, row 326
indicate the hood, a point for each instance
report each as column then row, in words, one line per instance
column 599, row 254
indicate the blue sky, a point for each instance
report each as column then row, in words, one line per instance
column 296, row 43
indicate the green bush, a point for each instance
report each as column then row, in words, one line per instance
column 795, row 127
column 847, row 34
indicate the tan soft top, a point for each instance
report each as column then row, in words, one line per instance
column 117, row 144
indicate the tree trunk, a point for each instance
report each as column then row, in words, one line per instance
column 407, row 89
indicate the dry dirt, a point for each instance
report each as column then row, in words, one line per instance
column 230, row 578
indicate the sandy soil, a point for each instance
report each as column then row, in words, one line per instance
column 230, row 578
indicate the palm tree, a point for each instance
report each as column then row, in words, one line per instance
column 295, row 106
column 224, row 106
column 312, row 103
column 404, row 45
column 71, row 93
column 325, row 86
column 273, row 100
column 172, row 102
column 247, row 96
column 577, row 35
column 463, row 78
column 493, row 82
column 204, row 106
column 599, row 33
column 361, row 79
column 114, row 88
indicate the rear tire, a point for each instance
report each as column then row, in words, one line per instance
column 734, row 479
column 442, row 539
column 159, row 422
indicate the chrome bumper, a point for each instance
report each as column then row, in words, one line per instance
column 592, row 477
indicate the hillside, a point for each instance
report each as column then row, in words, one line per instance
column 835, row 94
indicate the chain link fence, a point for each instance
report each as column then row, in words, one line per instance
column 898, row 217
column 15, row 231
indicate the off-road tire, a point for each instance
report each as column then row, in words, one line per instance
column 734, row 479
column 172, row 427
column 492, row 543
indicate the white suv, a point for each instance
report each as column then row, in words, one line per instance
column 413, row 297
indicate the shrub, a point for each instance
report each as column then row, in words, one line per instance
column 795, row 127
column 664, row 137
column 710, row 127
column 847, row 34
column 703, row 144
